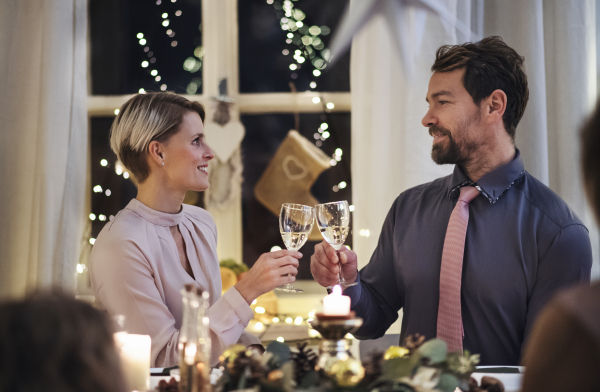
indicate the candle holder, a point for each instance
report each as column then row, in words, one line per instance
column 333, row 346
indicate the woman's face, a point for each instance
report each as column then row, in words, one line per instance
column 186, row 156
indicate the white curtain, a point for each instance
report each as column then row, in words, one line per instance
column 43, row 142
column 390, row 147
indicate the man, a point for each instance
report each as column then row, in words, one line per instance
column 478, row 278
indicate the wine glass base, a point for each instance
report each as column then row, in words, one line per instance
column 343, row 285
column 288, row 288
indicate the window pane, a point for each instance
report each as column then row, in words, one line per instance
column 264, row 134
column 149, row 44
column 267, row 52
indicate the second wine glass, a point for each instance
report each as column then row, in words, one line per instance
column 333, row 220
column 295, row 224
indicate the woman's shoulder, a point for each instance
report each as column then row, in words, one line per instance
column 127, row 232
column 125, row 225
column 122, row 238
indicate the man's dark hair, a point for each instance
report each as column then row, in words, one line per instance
column 590, row 160
column 489, row 65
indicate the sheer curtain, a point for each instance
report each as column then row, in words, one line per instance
column 43, row 142
column 390, row 147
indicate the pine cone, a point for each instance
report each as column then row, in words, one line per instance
column 171, row 386
column 373, row 368
column 413, row 342
column 473, row 385
column 243, row 362
column 305, row 360
column 491, row 384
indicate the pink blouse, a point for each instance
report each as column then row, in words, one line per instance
column 135, row 271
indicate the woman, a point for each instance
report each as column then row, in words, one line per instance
column 53, row 343
column 563, row 353
column 152, row 248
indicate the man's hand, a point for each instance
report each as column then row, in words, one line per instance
column 269, row 271
column 325, row 264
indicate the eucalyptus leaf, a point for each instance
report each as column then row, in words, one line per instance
column 396, row 368
column 426, row 377
column 463, row 385
column 242, row 381
column 310, row 379
column 434, row 350
column 281, row 353
column 448, row 383
column 288, row 376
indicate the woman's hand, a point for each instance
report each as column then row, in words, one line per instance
column 270, row 270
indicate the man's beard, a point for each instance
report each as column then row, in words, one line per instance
column 450, row 152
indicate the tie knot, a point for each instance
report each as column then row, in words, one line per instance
column 468, row 193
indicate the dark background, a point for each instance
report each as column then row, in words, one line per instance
column 263, row 67
column 117, row 55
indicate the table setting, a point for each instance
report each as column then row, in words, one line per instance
column 419, row 366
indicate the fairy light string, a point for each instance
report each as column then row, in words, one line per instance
column 308, row 49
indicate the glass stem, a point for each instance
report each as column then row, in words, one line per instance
column 342, row 280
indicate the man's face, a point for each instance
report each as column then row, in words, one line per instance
column 453, row 119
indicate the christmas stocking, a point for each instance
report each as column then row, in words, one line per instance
column 290, row 175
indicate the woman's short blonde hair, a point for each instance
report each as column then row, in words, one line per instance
column 144, row 118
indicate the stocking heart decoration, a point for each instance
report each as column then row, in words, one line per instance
column 288, row 178
column 224, row 140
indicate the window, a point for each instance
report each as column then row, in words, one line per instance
column 244, row 42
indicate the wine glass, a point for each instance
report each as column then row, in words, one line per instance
column 333, row 220
column 295, row 225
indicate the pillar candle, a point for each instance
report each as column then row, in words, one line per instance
column 135, row 359
column 336, row 304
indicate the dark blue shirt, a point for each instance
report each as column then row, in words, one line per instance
column 523, row 243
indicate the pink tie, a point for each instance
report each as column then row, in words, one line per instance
column 449, row 322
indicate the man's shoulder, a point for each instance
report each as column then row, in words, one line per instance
column 434, row 188
column 547, row 201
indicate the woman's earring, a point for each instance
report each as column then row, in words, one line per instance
column 162, row 164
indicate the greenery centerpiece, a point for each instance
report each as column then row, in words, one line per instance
column 419, row 367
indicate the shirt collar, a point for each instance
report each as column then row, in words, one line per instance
column 155, row 217
column 492, row 185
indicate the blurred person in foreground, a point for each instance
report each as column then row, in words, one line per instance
column 563, row 353
column 153, row 247
column 52, row 342
column 470, row 258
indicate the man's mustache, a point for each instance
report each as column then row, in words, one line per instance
column 435, row 130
